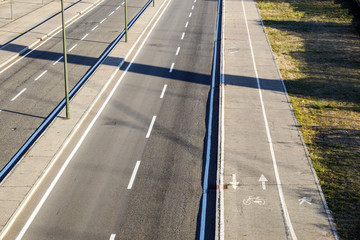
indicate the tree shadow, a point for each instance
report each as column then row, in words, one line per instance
column 330, row 60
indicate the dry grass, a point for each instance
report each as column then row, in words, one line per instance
column 317, row 44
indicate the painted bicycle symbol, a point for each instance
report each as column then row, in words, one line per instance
column 253, row 199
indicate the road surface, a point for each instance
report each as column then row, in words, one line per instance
column 138, row 173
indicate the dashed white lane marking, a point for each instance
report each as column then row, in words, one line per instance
column 194, row 1
column 172, row 67
column 58, row 60
column 118, row 7
column 18, row 94
column 132, row 179
column 183, row 35
column 94, row 28
column 111, row 13
column 122, row 4
column 38, row 77
column 89, row 127
column 151, row 127
column 192, row 8
column 187, row 23
column 190, row 15
column 177, row 51
column 84, row 36
column 112, row 237
column 73, row 47
column 163, row 91
column 103, row 20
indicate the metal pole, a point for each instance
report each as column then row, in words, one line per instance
column 153, row 3
column 11, row 6
column 126, row 21
column 65, row 61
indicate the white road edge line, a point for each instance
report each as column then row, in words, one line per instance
column 187, row 23
column 289, row 227
column 94, row 28
column 327, row 210
column 221, row 225
column 172, row 67
column 132, row 179
column 51, row 187
column 183, row 35
column 163, row 91
column 111, row 13
column 58, row 60
column 151, row 127
column 18, row 94
column 42, row 74
column 84, row 36
column 72, row 47
column 177, row 51
column 103, row 20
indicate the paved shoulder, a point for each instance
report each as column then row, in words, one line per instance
column 271, row 190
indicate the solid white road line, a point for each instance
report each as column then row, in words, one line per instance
column 285, row 212
column 183, row 35
column 41, row 75
column 18, row 94
column 177, row 51
column 76, row 148
column 84, row 36
column 73, row 47
column 103, row 20
column 58, row 60
column 151, row 127
column 112, row 237
column 111, row 13
column 172, row 67
column 94, row 28
column 221, row 223
column 190, row 15
column 132, row 179
column 187, row 23
column 163, row 91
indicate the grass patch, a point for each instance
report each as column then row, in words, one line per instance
column 317, row 46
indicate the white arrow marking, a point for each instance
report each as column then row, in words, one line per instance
column 234, row 183
column 304, row 199
column 263, row 179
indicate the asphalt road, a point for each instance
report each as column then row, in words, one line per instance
column 138, row 173
column 33, row 87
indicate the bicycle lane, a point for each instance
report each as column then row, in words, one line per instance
column 268, row 188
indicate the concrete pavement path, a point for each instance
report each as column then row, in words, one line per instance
column 268, row 187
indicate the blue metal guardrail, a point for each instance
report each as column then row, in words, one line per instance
column 32, row 139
